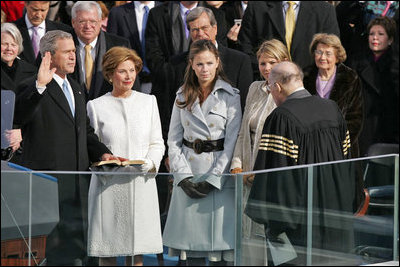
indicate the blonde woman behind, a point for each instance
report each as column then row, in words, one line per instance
column 259, row 104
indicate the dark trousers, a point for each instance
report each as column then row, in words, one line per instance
column 67, row 243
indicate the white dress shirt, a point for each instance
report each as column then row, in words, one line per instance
column 41, row 28
column 82, row 54
column 139, row 10
column 285, row 6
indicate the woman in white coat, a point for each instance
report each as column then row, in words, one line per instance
column 259, row 104
column 204, row 126
column 123, row 209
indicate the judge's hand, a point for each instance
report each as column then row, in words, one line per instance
column 45, row 74
column 190, row 188
column 204, row 187
column 14, row 138
column 233, row 32
column 245, row 177
column 248, row 179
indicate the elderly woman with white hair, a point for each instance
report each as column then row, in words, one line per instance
column 13, row 71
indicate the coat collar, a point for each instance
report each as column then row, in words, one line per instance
column 219, row 85
column 200, row 112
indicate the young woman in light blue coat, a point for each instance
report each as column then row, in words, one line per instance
column 204, row 127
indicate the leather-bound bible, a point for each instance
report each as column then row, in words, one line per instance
column 117, row 162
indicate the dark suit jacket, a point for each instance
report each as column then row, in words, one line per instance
column 22, row 71
column 164, row 34
column 28, row 53
column 99, row 86
column 53, row 139
column 122, row 22
column 263, row 20
column 347, row 93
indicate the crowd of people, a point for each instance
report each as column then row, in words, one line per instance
column 198, row 89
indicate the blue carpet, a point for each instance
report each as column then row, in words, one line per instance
column 151, row 259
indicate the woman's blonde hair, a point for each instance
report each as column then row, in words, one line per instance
column 329, row 40
column 191, row 87
column 115, row 56
column 275, row 49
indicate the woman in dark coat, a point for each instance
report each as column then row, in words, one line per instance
column 13, row 71
column 378, row 68
column 330, row 78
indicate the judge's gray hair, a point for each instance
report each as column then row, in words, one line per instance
column 48, row 43
column 85, row 6
column 284, row 72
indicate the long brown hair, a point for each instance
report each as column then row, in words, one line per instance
column 191, row 87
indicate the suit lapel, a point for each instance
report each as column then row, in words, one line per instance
column 57, row 94
column 302, row 25
column 177, row 38
column 79, row 98
column 28, row 48
column 274, row 10
column 130, row 19
column 97, row 78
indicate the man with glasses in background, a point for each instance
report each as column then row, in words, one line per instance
column 91, row 44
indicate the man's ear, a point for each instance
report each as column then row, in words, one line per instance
column 279, row 87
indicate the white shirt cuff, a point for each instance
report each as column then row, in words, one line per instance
column 40, row 88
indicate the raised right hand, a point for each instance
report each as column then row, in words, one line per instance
column 45, row 74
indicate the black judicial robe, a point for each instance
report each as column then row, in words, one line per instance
column 305, row 129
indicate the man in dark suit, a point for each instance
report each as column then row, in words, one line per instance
column 237, row 65
column 265, row 20
column 129, row 21
column 51, row 111
column 91, row 45
column 33, row 25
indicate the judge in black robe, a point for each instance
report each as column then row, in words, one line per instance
column 303, row 129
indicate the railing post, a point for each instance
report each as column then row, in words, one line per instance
column 238, row 217
column 310, row 182
column 396, row 209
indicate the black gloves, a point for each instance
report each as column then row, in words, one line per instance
column 195, row 190
column 204, row 187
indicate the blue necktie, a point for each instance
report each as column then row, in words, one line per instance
column 144, row 22
column 68, row 96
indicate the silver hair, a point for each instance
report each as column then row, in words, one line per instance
column 85, row 6
column 286, row 75
column 196, row 13
column 11, row 29
column 48, row 43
